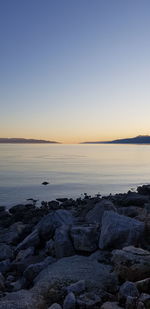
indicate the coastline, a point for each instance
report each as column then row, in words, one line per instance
column 49, row 253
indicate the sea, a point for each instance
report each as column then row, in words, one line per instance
column 70, row 170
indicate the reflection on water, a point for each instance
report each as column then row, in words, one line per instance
column 70, row 170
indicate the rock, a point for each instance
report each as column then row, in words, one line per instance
column 49, row 223
column 24, row 254
column 140, row 305
column 88, row 301
column 5, row 266
column 32, row 240
column 110, row 305
column 55, row 306
column 127, row 289
column 132, row 211
column 5, row 219
column 119, row 231
column 102, row 257
column 132, row 263
column 95, row 214
column 85, row 238
column 22, row 299
column 77, row 287
column 143, row 285
column 45, row 183
column 134, row 199
column 144, row 190
column 6, row 252
column 70, row 301
column 2, row 282
column 76, row 268
column 15, row 233
column 145, row 299
column 49, row 248
column 54, row 205
column 18, row 285
column 131, row 302
column 62, row 242
column 34, row 269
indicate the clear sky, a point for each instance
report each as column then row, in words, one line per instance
column 74, row 70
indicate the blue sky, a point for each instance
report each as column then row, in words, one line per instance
column 74, row 70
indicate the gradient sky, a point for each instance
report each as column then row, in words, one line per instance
column 74, row 70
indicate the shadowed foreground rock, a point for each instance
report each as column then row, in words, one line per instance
column 88, row 253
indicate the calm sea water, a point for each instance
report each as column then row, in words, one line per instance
column 71, row 170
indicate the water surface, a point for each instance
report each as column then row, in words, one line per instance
column 71, row 170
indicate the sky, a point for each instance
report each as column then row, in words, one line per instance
column 74, row 70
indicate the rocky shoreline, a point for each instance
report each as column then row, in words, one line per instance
column 92, row 252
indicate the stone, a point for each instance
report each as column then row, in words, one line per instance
column 131, row 302
column 85, row 238
column 75, row 268
column 127, row 289
column 110, row 305
column 145, row 299
column 62, row 242
column 24, row 254
column 77, row 287
column 132, row 211
column 22, row 299
column 55, row 219
column 5, row 266
column 134, row 199
column 88, row 301
column 132, row 263
column 70, row 301
column 55, row 306
column 96, row 213
column 119, row 231
column 34, row 269
column 140, row 305
column 6, row 252
column 32, row 240
column 143, row 285
column 50, row 248
column 15, row 233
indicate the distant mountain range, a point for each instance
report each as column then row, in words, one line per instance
column 141, row 139
column 25, row 141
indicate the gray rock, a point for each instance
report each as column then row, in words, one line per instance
column 49, row 223
column 49, row 248
column 6, row 252
column 143, row 285
column 110, row 305
column 85, row 238
column 127, row 289
column 131, row 263
column 77, row 287
column 34, row 269
column 131, row 302
column 62, row 242
column 95, row 215
column 15, row 233
column 145, row 299
column 70, row 301
column 22, row 299
column 76, row 268
column 88, row 301
column 24, row 254
column 55, row 306
column 32, row 240
column 18, row 285
column 5, row 266
column 119, row 231
column 132, row 211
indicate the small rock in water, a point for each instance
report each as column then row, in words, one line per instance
column 45, row 183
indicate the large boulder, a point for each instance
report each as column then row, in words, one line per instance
column 119, row 231
column 75, row 268
column 85, row 238
column 22, row 299
column 127, row 289
column 34, row 269
column 55, row 219
column 62, row 242
column 96, row 213
column 132, row 263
